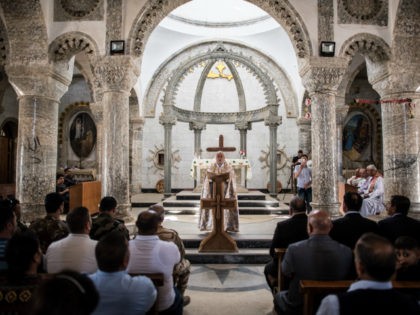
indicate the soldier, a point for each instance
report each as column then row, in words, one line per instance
column 182, row 269
column 105, row 222
column 50, row 228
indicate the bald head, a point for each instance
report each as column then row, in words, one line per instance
column 319, row 222
column 159, row 210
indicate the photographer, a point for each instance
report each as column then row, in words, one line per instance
column 303, row 174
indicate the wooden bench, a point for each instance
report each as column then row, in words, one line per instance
column 279, row 252
column 16, row 299
column 157, row 279
column 314, row 291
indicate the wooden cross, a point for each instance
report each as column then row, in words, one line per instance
column 221, row 147
column 218, row 240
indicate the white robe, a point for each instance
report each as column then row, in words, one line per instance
column 374, row 204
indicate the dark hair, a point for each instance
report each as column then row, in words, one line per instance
column 147, row 222
column 107, row 203
column 159, row 210
column 6, row 214
column 401, row 203
column 52, row 202
column 77, row 219
column 57, row 176
column 305, row 156
column 297, row 204
column 377, row 255
column 353, row 201
column 67, row 293
column 13, row 201
column 110, row 251
column 20, row 252
column 300, row 151
column 406, row 242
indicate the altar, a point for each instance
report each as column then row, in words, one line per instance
column 241, row 167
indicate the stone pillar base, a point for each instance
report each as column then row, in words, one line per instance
column 414, row 210
column 31, row 211
column 332, row 208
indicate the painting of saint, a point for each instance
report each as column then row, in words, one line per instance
column 82, row 135
column 357, row 138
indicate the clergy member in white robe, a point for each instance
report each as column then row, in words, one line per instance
column 373, row 202
column 220, row 166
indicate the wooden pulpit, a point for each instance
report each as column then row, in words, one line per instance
column 218, row 240
column 85, row 194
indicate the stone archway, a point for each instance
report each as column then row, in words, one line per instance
column 281, row 10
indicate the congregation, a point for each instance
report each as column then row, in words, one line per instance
column 96, row 257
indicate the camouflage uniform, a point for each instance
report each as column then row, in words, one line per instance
column 104, row 223
column 49, row 230
column 181, row 269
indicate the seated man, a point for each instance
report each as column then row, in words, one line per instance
column 8, row 227
column 373, row 196
column 348, row 229
column 358, row 178
column 287, row 232
column 76, row 251
column 373, row 294
column 317, row 258
column 408, row 258
column 220, row 166
column 50, row 228
column 105, row 222
column 149, row 254
column 182, row 269
column 399, row 223
column 117, row 290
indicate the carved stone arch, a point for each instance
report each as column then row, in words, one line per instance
column 26, row 28
column 237, row 80
column 65, row 46
column 4, row 44
column 370, row 46
column 281, row 10
column 278, row 77
column 177, row 77
column 348, row 79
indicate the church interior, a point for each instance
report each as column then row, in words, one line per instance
column 138, row 96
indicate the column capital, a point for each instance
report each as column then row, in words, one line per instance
column 167, row 120
column 116, row 73
column 273, row 121
column 197, row 125
column 243, row 125
column 321, row 74
column 37, row 80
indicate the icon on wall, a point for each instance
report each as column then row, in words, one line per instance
column 82, row 135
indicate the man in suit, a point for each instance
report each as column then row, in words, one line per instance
column 349, row 228
column 287, row 232
column 375, row 261
column 317, row 258
column 399, row 224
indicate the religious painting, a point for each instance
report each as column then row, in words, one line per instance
column 357, row 138
column 82, row 135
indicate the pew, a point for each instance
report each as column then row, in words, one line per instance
column 16, row 299
column 279, row 252
column 314, row 291
column 157, row 279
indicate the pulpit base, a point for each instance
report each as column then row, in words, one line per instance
column 218, row 242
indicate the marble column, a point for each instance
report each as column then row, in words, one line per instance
column 321, row 77
column 36, row 163
column 167, row 121
column 341, row 113
column 197, row 127
column 305, row 133
column 97, row 112
column 273, row 122
column 243, row 127
column 117, row 74
column 136, row 158
column 401, row 141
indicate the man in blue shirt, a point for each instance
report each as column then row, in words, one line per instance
column 7, row 229
column 118, row 291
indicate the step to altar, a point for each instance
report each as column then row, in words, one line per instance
column 243, row 256
column 252, row 202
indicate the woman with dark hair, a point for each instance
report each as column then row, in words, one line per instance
column 67, row 293
column 23, row 256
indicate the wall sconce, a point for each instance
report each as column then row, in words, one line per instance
column 117, row 47
column 327, row 49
